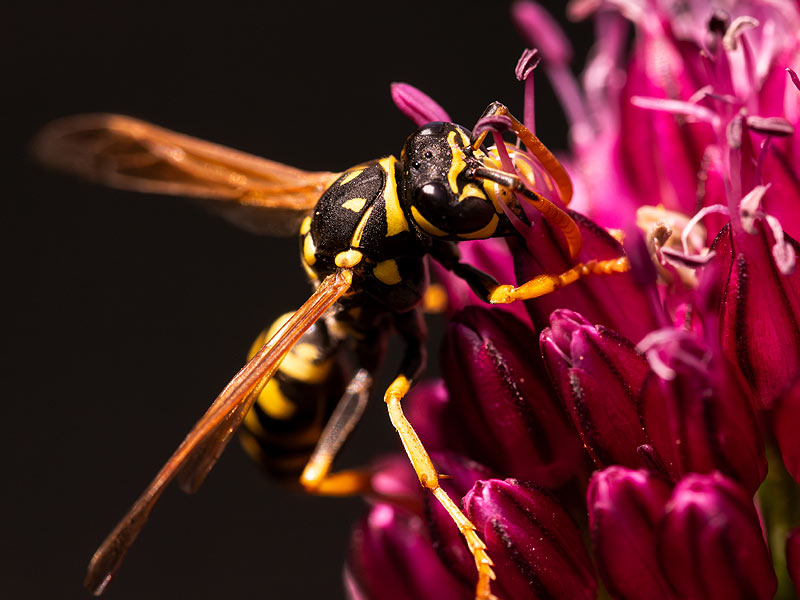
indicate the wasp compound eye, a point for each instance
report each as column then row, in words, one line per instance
column 434, row 196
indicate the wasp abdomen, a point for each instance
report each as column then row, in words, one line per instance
column 284, row 425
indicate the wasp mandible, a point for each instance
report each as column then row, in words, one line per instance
column 364, row 237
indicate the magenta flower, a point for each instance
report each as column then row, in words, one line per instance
column 677, row 379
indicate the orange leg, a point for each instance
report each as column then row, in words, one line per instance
column 546, row 284
column 316, row 477
column 429, row 478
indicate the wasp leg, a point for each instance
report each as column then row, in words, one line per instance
column 411, row 327
column 448, row 255
column 545, row 284
column 316, row 477
column 487, row 288
column 435, row 299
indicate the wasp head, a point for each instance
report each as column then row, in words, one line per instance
column 439, row 189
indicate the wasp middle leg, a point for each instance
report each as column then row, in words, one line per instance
column 316, row 477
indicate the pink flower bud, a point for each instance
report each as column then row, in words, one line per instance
column 512, row 419
column 711, row 545
column 537, row 549
column 759, row 311
column 598, row 374
column 624, row 509
column 696, row 414
column 391, row 558
column 617, row 301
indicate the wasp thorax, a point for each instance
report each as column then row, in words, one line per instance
column 438, row 189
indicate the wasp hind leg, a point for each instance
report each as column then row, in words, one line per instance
column 411, row 327
column 316, row 477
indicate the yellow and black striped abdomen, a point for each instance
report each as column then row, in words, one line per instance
column 285, row 423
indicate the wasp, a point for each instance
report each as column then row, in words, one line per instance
column 364, row 236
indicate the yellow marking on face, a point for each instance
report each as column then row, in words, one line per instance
column 457, row 163
column 497, row 195
column 387, row 272
column 300, row 364
column 355, row 241
column 348, row 259
column 309, row 250
column 471, row 190
column 426, row 225
column 492, row 159
column 355, row 204
column 274, row 403
column 305, row 226
column 395, row 219
column 483, row 232
column 351, row 175
column 525, row 170
column 464, row 139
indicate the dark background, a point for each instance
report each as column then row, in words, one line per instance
column 129, row 313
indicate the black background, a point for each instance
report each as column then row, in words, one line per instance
column 129, row 313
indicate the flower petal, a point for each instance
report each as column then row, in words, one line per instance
column 541, row 31
column 417, row 105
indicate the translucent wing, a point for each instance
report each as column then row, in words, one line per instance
column 256, row 194
column 207, row 439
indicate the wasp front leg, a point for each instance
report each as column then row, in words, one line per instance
column 412, row 328
column 548, row 283
column 488, row 289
